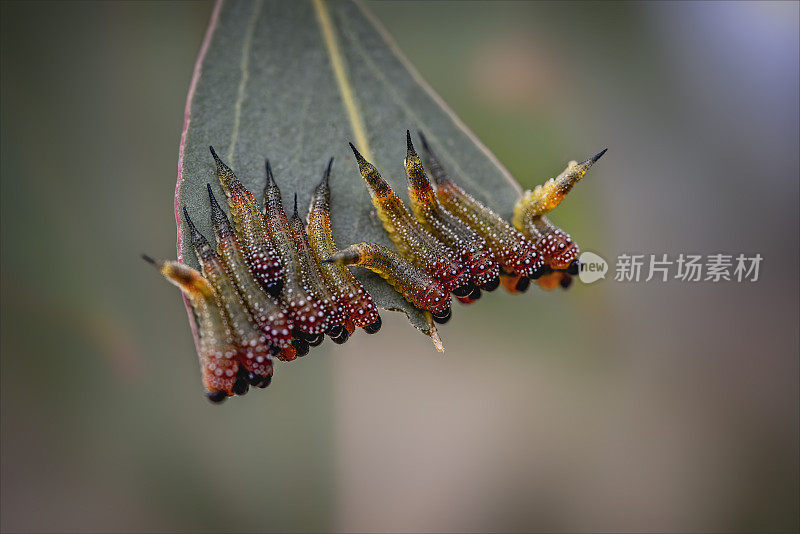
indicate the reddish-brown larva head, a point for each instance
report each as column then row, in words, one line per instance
column 436, row 299
column 452, row 275
column 558, row 249
column 309, row 316
column 483, row 268
column 219, row 373
column 257, row 359
column 525, row 259
column 360, row 307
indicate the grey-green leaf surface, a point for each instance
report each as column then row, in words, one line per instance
column 294, row 82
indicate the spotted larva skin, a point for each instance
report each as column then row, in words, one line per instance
column 412, row 240
column 251, row 229
column 415, row 284
column 358, row 303
column 267, row 313
column 547, row 196
column 217, row 351
column 470, row 248
column 253, row 346
column 307, row 313
column 554, row 244
column 313, row 277
column 513, row 251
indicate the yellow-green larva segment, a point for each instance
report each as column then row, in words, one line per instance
column 515, row 253
column 547, row 196
column 251, row 229
column 470, row 248
column 351, row 294
column 218, row 363
column 267, row 313
column 413, row 241
column 414, row 283
column 254, row 346
column 302, row 305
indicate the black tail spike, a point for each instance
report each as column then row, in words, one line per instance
column 218, row 216
column 424, row 142
column 435, row 168
column 270, row 178
column 212, row 199
column 214, row 154
column 188, row 219
column 295, row 206
column 326, row 177
column 197, row 238
column 358, row 155
column 600, row 155
column 149, row 260
column 409, row 144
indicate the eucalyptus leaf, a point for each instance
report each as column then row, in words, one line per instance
column 294, row 82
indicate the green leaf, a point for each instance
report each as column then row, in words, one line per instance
column 295, row 82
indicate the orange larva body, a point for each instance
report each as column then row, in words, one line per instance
column 470, row 248
column 315, row 281
column 415, row 284
column 554, row 279
column 412, row 240
column 302, row 305
column 251, row 229
column 217, row 351
column 515, row 253
column 254, row 349
column 267, row 313
column 515, row 283
column 351, row 294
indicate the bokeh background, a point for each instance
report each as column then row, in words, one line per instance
column 610, row 407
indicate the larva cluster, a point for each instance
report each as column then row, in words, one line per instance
column 275, row 286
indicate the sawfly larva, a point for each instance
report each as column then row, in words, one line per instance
column 412, row 240
column 358, row 303
column 470, row 248
column 267, row 314
column 255, row 350
column 560, row 252
column 308, row 315
column 251, row 229
column 313, row 279
column 515, row 253
column 415, row 284
column 217, row 351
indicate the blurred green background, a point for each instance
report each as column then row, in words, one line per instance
column 610, row 407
